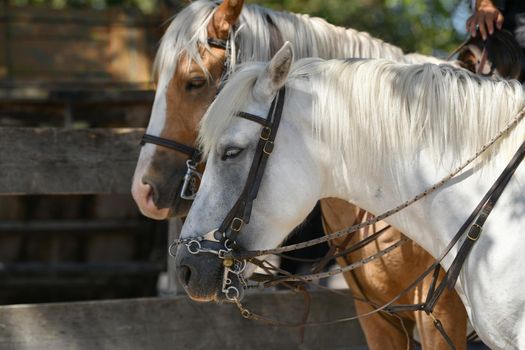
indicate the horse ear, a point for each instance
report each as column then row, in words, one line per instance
column 224, row 17
column 276, row 72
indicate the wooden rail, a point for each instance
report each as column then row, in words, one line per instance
column 67, row 161
column 177, row 323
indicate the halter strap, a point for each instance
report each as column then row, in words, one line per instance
column 219, row 43
column 194, row 153
column 241, row 210
column 177, row 146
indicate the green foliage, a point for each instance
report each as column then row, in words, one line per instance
column 423, row 26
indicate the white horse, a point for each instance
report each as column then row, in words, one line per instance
column 374, row 133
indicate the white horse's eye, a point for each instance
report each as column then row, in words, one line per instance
column 231, row 152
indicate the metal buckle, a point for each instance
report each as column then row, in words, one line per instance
column 236, row 224
column 265, row 133
column 268, row 147
column 474, row 232
column 189, row 187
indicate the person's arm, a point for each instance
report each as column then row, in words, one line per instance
column 484, row 17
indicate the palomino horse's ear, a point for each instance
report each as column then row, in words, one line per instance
column 275, row 74
column 224, row 18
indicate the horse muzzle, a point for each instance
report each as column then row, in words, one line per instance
column 206, row 273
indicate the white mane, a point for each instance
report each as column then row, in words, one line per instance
column 311, row 37
column 386, row 107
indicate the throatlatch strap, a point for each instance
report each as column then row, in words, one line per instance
column 219, row 43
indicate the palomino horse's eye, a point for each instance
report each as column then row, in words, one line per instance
column 195, row 83
column 231, row 152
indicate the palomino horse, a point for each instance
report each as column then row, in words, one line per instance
column 190, row 69
column 374, row 133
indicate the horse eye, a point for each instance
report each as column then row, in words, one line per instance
column 231, row 152
column 195, row 83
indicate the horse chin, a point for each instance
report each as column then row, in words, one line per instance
column 203, row 299
column 180, row 207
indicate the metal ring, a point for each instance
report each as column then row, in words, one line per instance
column 228, row 244
column 197, row 249
column 174, row 244
column 234, row 297
column 242, row 266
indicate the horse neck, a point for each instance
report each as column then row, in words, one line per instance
column 432, row 221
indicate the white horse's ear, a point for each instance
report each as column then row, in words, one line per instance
column 224, row 17
column 275, row 74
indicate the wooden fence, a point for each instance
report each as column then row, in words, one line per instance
column 177, row 323
column 75, row 94
column 44, row 45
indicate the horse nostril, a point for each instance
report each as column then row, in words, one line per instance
column 184, row 274
column 152, row 191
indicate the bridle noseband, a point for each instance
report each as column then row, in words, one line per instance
column 192, row 176
column 225, row 236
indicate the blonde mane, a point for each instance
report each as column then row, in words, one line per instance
column 388, row 109
column 311, row 37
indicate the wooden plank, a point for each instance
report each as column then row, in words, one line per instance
column 80, row 16
column 54, row 60
column 177, row 323
column 67, row 161
column 60, row 95
column 80, row 45
column 174, row 287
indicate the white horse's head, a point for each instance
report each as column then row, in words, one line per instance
column 230, row 142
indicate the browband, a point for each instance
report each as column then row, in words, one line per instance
column 254, row 118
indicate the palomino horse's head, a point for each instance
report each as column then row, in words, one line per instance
column 190, row 64
column 499, row 55
column 233, row 142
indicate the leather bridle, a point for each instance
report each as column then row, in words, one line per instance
column 192, row 176
column 224, row 237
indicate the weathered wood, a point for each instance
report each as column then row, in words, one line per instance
column 67, row 161
column 58, row 45
column 60, row 95
column 177, row 323
column 174, row 287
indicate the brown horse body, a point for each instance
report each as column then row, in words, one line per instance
column 381, row 280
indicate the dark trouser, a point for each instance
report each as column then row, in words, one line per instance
column 514, row 13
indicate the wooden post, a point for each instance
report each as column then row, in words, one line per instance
column 174, row 287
